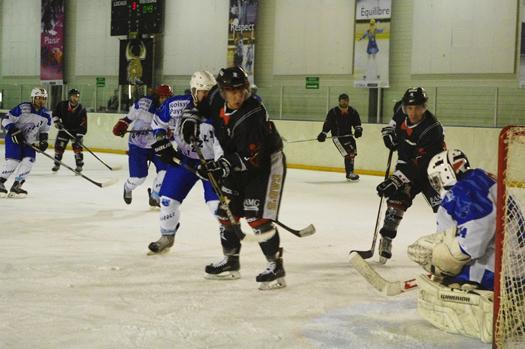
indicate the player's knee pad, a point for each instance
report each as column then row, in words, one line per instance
column 133, row 182
column 454, row 310
column 169, row 215
column 263, row 229
column 9, row 167
column 230, row 241
column 60, row 147
column 213, row 205
column 401, row 199
column 77, row 148
column 393, row 217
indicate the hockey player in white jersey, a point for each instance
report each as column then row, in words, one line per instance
column 140, row 140
column 457, row 296
column 27, row 125
column 179, row 180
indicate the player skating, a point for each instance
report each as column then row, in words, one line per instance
column 179, row 180
column 141, row 138
column 27, row 125
column 252, row 173
column 70, row 118
column 417, row 136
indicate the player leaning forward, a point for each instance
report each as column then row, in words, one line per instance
column 27, row 125
column 252, row 172
column 460, row 256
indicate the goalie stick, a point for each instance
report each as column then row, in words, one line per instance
column 111, row 168
column 370, row 253
column 307, row 231
column 98, row 184
column 387, row 288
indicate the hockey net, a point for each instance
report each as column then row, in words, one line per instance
column 509, row 279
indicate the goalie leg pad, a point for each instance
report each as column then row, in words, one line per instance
column 454, row 310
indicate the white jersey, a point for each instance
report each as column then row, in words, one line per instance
column 470, row 206
column 30, row 121
column 170, row 115
column 141, row 115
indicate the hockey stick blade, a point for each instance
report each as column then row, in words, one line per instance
column 364, row 254
column 307, row 231
column 387, row 288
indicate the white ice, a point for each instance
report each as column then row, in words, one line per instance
column 74, row 271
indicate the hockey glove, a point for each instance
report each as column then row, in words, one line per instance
column 321, row 137
column 190, row 125
column 58, row 124
column 220, row 168
column 392, row 184
column 42, row 141
column 164, row 149
column 120, row 128
column 16, row 135
column 389, row 137
column 358, row 131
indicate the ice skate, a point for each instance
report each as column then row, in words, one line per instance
column 3, row 190
column 17, row 191
column 385, row 249
column 127, row 196
column 162, row 245
column 352, row 177
column 153, row 202
column 56, row 167
column 273, row 276
column 78, row 169
column 226, row 269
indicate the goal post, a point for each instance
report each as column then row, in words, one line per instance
column 509, row 268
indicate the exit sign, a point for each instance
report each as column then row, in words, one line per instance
column 312, row 82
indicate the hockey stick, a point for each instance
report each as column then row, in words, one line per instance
column 387, row 288
column 138, row 131
column 369, row 253
column 307, row 231
column 98, row 184
column 89, row 150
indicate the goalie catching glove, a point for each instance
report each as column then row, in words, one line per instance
column 439, row 254
column 220, row 168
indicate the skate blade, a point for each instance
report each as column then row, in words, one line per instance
column 383, row 260
column 16, row 196
column 227, row 275
column 160, row 253
column 272, row 285
column 352, row 180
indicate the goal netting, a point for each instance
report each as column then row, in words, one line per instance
column 509, row 279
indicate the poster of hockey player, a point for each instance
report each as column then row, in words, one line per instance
column 52, row 41
column 372, row 43
column 241, row 34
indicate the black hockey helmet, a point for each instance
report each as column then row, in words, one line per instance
column 234, row 77
column 73, row 91
column 415, row 96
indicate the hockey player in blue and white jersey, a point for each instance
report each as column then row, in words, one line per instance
column 457, row 296
column 141, row 139
column 27, row 125
column 179, row 180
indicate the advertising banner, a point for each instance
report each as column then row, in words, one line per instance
column 52, row 41
column 372, row 43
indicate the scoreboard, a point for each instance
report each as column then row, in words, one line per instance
column 136, row 16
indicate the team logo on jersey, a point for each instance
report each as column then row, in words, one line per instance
column 251, row 204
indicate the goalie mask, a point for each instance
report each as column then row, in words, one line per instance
column 201, row 81
column 445, row 168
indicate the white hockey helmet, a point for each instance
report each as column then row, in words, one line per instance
column 201, row 81
column 38, row 92
column 444, row 168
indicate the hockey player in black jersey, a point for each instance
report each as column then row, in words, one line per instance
column 417, row 136
column 252, row 172
column 70, row 116
column 339, row 121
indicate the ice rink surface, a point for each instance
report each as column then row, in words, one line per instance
column 74, row 271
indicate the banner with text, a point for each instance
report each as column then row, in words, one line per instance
column 52, row 41
column 241, row 35
column 372, row 43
